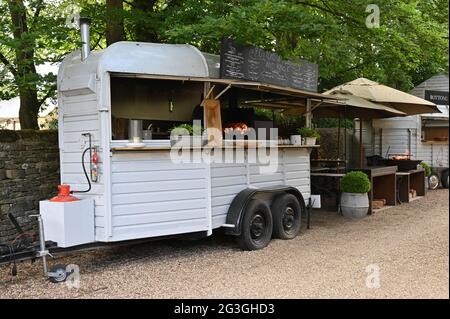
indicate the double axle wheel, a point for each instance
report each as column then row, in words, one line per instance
column 286, row 216
column 259, row 223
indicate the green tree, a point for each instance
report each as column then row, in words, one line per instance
column 410, row 45
column 31, row 33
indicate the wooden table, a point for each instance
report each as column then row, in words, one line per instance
column 414, row 179
column 318, row 169
column 335, row 162
column 334, row 176
column 384, row 183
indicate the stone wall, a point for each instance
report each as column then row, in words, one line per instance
column 29, row 172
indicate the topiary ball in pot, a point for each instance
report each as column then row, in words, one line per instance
column 354, row 199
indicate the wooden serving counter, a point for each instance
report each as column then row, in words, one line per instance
column 383, row 180
column 168, row 148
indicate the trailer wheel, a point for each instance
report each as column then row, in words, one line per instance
column 433, row 181
column 60, row 274
column 444, row 179
column 256, row 226
column 286, row 216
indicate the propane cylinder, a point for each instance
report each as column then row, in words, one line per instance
column 64, row 195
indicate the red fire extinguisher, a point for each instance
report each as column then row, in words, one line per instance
column 94, row 168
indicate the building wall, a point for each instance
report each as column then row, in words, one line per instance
column 29, row 172
column 399, row 134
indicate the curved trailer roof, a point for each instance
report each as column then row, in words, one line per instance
column 170, row 62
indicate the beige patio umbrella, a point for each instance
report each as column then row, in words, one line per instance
column 357, row 107
column 351, row 106
column 344, row 104
column 388, row 96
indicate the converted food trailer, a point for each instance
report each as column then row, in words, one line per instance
column 133, row 189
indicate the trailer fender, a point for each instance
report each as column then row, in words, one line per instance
column 239, row 204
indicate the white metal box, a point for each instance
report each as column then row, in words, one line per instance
column 68, row 223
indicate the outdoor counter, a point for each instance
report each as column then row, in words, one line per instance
column 168, row 148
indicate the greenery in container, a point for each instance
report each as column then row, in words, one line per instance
column 308, row 132
column 355, row 182
column 182, row 129
column 427, row 168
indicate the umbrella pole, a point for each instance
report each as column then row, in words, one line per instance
column 339, row 138
column 345, row 142
column 360, row 144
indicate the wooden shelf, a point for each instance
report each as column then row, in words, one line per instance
column 435, row 142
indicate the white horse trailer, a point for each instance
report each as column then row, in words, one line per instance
column 424, row 136
column 132, row 192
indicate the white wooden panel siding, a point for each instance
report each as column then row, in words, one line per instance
column 296, row 170
column 435, row 155
column 153, row 196
column 79, row 115
column 397, row 141
column 227, row 180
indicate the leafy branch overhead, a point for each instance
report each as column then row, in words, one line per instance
column 410, row 45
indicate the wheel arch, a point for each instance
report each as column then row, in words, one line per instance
column 240, row 201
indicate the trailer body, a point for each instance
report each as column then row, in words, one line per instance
column 141, row 194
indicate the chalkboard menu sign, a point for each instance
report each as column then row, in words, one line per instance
column 255, row 64
column 437, row 97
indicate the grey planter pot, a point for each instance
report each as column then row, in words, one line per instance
column 354, row 205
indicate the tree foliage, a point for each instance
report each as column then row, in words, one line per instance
column 410, row 45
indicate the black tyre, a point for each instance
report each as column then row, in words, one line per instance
column 433, row 181
column 444, row 179
column 287, row 215
column 60, row 273
column 256, row 226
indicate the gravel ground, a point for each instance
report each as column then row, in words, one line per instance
column 409, row 244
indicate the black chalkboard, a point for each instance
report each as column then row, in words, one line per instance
column 250, row 63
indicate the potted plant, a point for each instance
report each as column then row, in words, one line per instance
column 186, row 135
column 354, row 199
column 310, row 135
column 431, row 180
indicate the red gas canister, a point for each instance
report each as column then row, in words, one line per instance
column 64, row 195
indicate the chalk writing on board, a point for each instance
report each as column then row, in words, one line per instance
column 244, row 62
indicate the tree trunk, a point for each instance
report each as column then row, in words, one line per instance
column 29, row 108
column 114, row 25
column 25, row 76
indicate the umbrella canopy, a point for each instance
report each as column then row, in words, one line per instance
column 388, row 96
column 345, row 104
column 352, row 106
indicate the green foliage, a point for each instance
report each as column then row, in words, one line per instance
column 410, row 45
column 308, row 132
column 186, row 129
column 355, row 182
column 427, row 168
column 332, row 122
